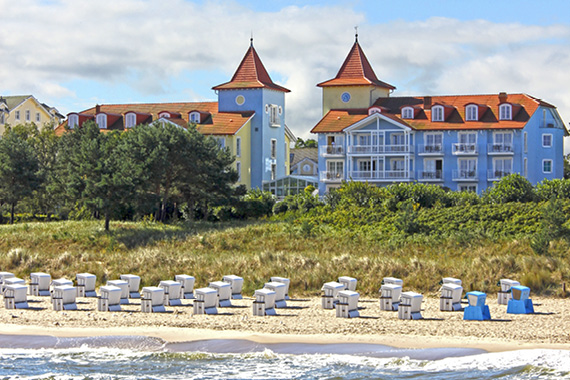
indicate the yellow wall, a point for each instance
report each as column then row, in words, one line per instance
column 287, row 155
column 245, row 134
column 360, row 97
column 33, row 107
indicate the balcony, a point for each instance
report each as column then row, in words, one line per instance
column 500, row 149
column 332, row 176
column 460, row 149
column 430, row 150
column 496, row 175
column 465, row 175
column 380, row 149
column 331, row 150
column 430, row 176
column 385, row 175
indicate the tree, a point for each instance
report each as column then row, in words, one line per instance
column 18, row 169
column 512, row 188
column 309, row 143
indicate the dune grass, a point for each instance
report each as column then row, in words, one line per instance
column 258, row 250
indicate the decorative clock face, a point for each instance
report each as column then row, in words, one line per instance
column 345, row 97
column 240, row 99
column 306, row 168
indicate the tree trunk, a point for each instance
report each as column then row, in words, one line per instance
column 12, row 209
column 107, row 220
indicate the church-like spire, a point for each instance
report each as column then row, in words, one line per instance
column 250, row 74
column 356, row 70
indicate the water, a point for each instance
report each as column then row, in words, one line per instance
column 150, row 358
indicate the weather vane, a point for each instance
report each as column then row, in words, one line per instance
column 356, row 33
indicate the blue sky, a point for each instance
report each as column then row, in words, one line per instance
column 73, row 54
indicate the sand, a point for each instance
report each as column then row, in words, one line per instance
column 304, row 321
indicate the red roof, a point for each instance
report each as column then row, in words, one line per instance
column 338, row 120
column 219, row 123
column 356, row 71
column 250, row 74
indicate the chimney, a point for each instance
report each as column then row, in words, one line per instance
column 502, row 97
column 97, row 109
column 427, row 102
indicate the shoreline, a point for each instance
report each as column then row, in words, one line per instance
column 303, row 321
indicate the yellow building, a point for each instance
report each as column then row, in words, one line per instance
column 24, row 109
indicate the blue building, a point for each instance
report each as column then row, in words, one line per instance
column 462, row 142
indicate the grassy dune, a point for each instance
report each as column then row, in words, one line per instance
column 259, row 250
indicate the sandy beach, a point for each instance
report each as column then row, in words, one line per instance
column 304, row 321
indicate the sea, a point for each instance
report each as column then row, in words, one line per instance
column 133, row 357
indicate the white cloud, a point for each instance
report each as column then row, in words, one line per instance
column 46, row 47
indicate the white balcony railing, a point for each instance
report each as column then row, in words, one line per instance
column 433, row 149
column 332, row 176
column 464, row 175
column 387, row 175
column 380, row 149
column 434, row 175
column 495, row 175
column 467, row 149
column 331, row 150
column 500, row 149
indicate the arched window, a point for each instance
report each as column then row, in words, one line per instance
column 505, row 112
column 102, row 121
column 407, row 113
column 130, row 120
column 72, row 121
column 437, row 113
column 471, row 113
column 194, row 117
column 166, row 115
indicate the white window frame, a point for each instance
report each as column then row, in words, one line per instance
column 101, row 120
column 505, row 112
column 222, row 142
column 525, row 142
column 503, row 160
column 525, row 167
column 544, row 162
column 238, row 170
column 437, row 113
column 28, row 115
column 38, row 117
column 468, row 162
column 166, row 115
column 471, row 113
column 194, row 117
column 467, row 187
column 238, row 146
column 407, row 113
column 274, row 120
column 273, row 171
column 333, row 166
column 466, row 136
column 549, row 136
column 273, row 147
column 17, row 115
column 130, row 120
column 2, row 120
column 72, row 121
column 433, row 136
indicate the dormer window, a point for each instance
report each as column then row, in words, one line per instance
column 130, row 120
column 505, row 112
column 101, row 121
column 165, row 115
column 407, row 113
column 437, row 113
column 194, row 117
column 72, row 121
column 471, row 113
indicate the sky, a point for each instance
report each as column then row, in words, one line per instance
column 73, row 54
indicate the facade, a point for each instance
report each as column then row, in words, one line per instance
column 304, row 162
column 462, row 142
column 248, row 119
column 24, row 109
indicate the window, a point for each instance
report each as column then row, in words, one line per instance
column 17, row 115
column 335, row 169
column 273, row 171
column 195, row 117
column 502, row 141
column 505, row 112
column 468, row 138
column 238, row 169
column 397, row 164
column 38, row 117
column 238, row 146
column 547, row 166
column 102, row 121
column 222, row 142
column 273, row 148
column 130, row 120
column 364, row 166
column 434, row 142
column 407, row 113
column 468, row 187
column 274, row 115
column 437, row 113
column 546, row 140
column 28, row 117
column 72, row 121
column 467, row 168
column 525, row 167
column 502, row 167
column 525, row 142
column 2, row 121
column 471, row 113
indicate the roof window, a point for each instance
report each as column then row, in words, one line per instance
column 505, row 112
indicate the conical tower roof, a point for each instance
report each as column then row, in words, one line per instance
column 250, row 74
column 356, row 71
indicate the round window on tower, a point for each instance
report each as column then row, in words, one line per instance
column 240, row 100
column 345, row 97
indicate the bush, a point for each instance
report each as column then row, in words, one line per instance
column 512, row 188
column 556, row 188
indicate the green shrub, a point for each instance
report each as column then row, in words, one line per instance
column 512, row 188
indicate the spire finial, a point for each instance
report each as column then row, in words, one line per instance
column 251, row 39
column 356, row 33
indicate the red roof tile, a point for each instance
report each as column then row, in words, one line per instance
column 356, row 71
column 250, row 74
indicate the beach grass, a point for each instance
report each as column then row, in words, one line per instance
column 258, row 250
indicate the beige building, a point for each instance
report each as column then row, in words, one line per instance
column 24, row 109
